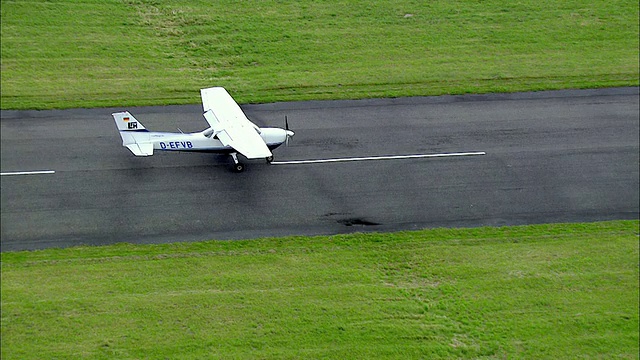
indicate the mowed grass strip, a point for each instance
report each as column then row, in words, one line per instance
column 89, row 53
column 542, row 291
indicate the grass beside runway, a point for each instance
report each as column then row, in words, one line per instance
column 122, row 53
column 540, row 291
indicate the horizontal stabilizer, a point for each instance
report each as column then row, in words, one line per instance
column 141, row 149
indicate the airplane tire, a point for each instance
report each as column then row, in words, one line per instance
column 238, row 167
column 269, row 159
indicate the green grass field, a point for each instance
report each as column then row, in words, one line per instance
column 128, row 52
column 536, row 292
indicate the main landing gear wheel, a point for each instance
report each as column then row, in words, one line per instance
column 269, row 159
column 237, row 165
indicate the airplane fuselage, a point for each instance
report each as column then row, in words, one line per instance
column 204, row 142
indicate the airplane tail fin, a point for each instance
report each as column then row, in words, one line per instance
column 134, row 135
column 126, row 122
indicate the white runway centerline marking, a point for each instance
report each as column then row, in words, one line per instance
column 391, row 157
column 40, row 172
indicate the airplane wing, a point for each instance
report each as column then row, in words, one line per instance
column 231, row 124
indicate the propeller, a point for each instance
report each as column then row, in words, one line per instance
column 289, row 132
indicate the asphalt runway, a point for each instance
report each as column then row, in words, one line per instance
column 557, row 156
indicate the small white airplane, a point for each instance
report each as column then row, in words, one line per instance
column 230, row 132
